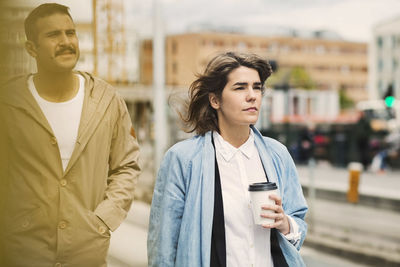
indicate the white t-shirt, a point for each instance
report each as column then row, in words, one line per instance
column 63, row 117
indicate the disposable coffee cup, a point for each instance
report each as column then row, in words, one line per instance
column 259, row 195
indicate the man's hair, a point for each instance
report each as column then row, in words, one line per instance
column 42, row 11
column 201, row 117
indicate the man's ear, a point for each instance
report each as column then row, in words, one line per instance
column 214, row 101
column 31, row 48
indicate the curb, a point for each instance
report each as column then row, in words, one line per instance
column 359, row 254
column 365, row 200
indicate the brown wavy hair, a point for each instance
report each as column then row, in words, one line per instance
column 201, row 117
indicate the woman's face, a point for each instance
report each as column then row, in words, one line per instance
column 240, row 101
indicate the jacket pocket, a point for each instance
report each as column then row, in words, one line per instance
column 98, row 225
column 24, row 222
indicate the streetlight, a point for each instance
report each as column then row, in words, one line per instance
column 161, row 131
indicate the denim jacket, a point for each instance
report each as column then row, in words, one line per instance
column 182, row 208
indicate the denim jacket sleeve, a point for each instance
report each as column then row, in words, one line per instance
column 166, row 211
column 294, row 203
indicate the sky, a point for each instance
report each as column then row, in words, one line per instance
column 352, row 20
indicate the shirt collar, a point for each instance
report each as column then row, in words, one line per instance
column 228, row 151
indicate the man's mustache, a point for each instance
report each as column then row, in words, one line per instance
column 66, row 49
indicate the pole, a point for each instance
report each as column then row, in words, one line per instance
column 161, row 132
column 311, row 194
column 95, row 60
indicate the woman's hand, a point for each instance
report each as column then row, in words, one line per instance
column 281, row 220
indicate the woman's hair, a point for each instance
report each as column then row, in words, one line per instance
column 201, row 117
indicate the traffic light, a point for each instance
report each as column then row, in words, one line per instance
column 389, row 101
column 389, row 97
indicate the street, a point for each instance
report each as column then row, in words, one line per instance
column 340, row 233
column 315, row 258
column 128, row 245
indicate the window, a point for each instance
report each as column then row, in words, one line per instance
column 380, row 86
column 345, row 69
column 174, row 67
column 320, row 49
column 380, row 65
column 379, row 41
column 241, row 46
column 174, row 47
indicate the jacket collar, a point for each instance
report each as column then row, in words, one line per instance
column 18, row 95
column 96, row 101
column 207, row 201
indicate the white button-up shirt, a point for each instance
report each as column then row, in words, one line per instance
column 247, row 244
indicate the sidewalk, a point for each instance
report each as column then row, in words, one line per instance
column 364, row 234
column 359, row 232
column 342, row 230
column 369, row 231
column 331, row 183
column 128, row 246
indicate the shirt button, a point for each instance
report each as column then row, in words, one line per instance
column 53, row 140
column 62, row 225
column 63, row 182
column 57, row 264
column 102, row 229
column 251, row 246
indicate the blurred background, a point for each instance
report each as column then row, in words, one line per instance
column 332, row 100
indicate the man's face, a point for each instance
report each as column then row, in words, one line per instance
column 57, row 47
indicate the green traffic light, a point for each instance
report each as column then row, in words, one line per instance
column 389, row 101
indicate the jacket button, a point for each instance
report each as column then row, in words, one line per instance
column 57, row 264
column 62, row 225
column 102, row 229
column 63, row 182
column 25, row 224
column 53, row 140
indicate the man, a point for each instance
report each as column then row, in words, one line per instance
column 69, row 164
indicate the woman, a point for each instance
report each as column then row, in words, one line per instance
column 200, row 214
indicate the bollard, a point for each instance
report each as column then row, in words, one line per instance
column 355, row 169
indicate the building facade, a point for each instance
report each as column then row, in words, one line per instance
column 15, row 59
column 125, row 64
column 332, row 64
column 384, row 59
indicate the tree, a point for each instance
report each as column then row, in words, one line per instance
column 296, row 77
column 299, row 78
column 344, row 101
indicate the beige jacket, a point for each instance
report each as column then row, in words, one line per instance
column 51, row 217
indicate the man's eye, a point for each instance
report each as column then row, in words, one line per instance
column 239, row 88
column 257, row 88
